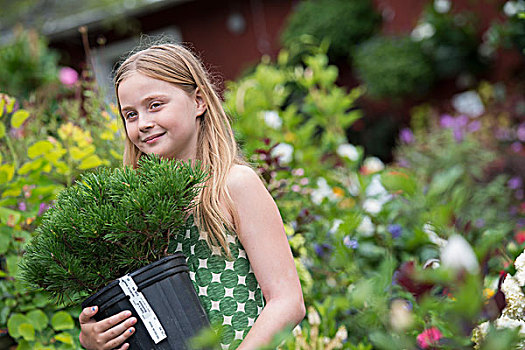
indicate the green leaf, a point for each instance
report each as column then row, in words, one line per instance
column 12, row 264
column 27, row 331
column 2, row 130
column 62, row 321
column 12, row 192
column 24, row 345
column 444, row 180
column 397, row 181
column 38, row 319
column 39, row 148
column 7, row 215
column 19, row 117
column 92, row 161
column 5, row 240
column 6, row 172
column 14, row 322
column 64, row 338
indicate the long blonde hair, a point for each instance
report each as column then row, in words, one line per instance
column 216, row 146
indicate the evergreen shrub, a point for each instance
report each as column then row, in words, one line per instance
column 344, row 23
column 393, row 67
column 108, row 224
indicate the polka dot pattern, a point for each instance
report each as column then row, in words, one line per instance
column 227, row 288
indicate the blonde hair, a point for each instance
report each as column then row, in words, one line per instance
column 216, row 146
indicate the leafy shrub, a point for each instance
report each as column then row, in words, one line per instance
column 34, row 167
column 26, row 64
column 451, row 42
column 393, row 67
column 344, row 23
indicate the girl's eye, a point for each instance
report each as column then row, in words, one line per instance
column 130, row 115
column 155, row 105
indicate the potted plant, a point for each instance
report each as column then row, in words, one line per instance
column 109, row 235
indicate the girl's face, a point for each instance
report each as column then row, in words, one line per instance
column 160, row 117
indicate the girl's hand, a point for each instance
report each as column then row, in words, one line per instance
column 106, row 334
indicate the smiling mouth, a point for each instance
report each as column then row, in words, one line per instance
column 153, row 138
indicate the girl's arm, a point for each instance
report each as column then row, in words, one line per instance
column 106, row 334
column 261, row 232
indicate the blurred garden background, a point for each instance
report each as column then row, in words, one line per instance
column 391, row 133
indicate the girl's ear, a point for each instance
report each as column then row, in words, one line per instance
column 200, row 103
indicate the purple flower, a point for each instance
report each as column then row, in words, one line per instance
column 406, row 135
column 395, row 230
column 42, row 208
column 519, row 194
column 516, row 147
column 22, row 206
column 474, row 126
column 521, row 132
column 322, row 249
column 350, row 243
column 403, row 163
column 447, row 121
column 458, row 135
column 462, row 121
column 479, row 223
column 515, row 183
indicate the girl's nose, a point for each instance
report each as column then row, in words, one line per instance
column 146, row 122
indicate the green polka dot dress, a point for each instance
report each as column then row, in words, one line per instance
column 227, row 288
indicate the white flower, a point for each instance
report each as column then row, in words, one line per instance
column 349, row 151
column 366, row 228
column 458, row 255
column 423, row 31
column 432, row 235
column 354, row 187
column 511, row 8
column 432, row 264
column 520, row 269
column 468, row 103
column 372, row 206
column 322, row 191
column 442, row 6
column 313, row 317
column 506, row 322
column 373, row 165
column 335, row 226
column 341, row 334
column 297, row 331
column 376, row 190
column 400, row 315
column 272, row 119
column 514, row 298
column 284, row 151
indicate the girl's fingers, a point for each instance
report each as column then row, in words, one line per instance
column 86, row 314
column 119, row 329
column 120, row 339
column 109, row 322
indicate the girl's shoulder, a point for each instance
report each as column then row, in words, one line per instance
column 243, row 183
column 241, row 175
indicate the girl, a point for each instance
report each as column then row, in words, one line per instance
column 238, row 252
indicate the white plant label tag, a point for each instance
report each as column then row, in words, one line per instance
column 143, row 309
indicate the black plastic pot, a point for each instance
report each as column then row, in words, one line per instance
column 168, row 289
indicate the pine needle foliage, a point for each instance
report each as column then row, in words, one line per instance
column 110, row 223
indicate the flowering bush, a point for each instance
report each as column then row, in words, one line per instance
column 35, row 165
column 398, row 255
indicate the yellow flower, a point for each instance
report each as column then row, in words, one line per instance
column 488, row 293
column 289, row 137
column 338, row 191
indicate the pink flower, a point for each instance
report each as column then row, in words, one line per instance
column 68, row 76
column 428, row 337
